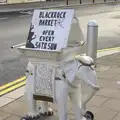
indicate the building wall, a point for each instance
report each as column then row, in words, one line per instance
column 21, row 1
column 15, row 1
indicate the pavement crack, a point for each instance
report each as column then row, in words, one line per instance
column 115, row 115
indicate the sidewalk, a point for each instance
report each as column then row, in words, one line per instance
column 105, row 104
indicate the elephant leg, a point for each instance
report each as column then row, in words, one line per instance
column 29, row 90
column 61, row 96
column 75, row 97
column 32, row 111
column 32, row 104
column 45, row 109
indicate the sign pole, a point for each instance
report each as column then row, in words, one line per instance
column 66, row 2
column 92, row 37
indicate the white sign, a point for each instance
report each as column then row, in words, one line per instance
column 49, row 29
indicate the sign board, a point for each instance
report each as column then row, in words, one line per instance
column 49, row 29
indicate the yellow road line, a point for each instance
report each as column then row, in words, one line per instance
column 12, row 88
column 12, row 83
column 108, row 49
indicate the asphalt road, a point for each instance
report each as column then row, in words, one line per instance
column 14, row 30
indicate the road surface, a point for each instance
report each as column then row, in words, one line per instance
column 14, row 30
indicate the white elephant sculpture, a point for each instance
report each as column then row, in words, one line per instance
column 68, row 80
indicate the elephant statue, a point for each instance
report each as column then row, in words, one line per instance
column 74, row 71
column 68, row 79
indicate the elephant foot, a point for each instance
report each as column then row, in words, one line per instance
column 89, row 115
column 47, row 113
column 31, row 117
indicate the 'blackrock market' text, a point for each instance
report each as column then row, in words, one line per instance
column 50, row 18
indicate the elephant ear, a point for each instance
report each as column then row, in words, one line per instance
column 70, row 70
column 85, row 60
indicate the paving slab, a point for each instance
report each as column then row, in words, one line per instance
column 109, row 84
column 107, row 92
column 116, row 77
column 117, row 117
column 112, row 104
column 4, row 115
column 22, row 99
column 97, row 101
column 103, row 113
column 13, row 117
column 15, row 108
column 5, row 100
